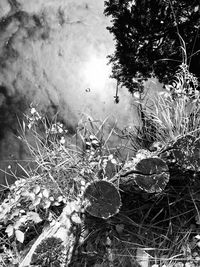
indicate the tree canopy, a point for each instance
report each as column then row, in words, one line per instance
column 152, row 38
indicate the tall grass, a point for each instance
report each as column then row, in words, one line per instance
column 174, row 112
column 174, row 118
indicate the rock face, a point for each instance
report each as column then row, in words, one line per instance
column 4, row 9
column 53, row 54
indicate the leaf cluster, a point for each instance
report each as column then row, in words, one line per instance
column 49, row 253
column 147, row 39
column 28, row 204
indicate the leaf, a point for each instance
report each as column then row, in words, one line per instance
column 25, row 193
column 197, row 219
column 197, row 237
column 45, row 193
column 22, row 211
column 34, row 216
column 9, row 230
column 68, row 210
column 32, row 196
column 92, row 137
column 15, row 213
column 110, row 157
column 74, row 206
column 56, row 203
column 46, row 203
column 76, row 219
column 19, row 236
column 142, row 257
column 119, row 228
column 51, row 198
column 113, row 161
column 36, row 189
column 60, row 198
column 18, row 224
column 37, row 201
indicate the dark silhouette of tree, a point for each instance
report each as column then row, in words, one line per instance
column 150, row 36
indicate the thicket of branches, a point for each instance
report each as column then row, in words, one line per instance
column 147, row 39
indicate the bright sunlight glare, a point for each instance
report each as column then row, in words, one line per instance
column 96, row 72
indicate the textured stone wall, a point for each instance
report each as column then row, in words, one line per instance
column 53, row 53
column 48, row 48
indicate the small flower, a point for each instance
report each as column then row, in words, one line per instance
column 62, row 140
column 60, row 130
column 82, row 182
column 136, row 95
column 33, row 111
column 110, row 157
column 30, row 125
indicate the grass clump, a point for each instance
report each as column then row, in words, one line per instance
column 60, row 174
column 174, row 112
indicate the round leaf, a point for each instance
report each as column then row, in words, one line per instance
column 19, row 236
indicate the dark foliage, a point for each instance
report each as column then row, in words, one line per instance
column 183, row 154
column 48, row 253
column 148, row 39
